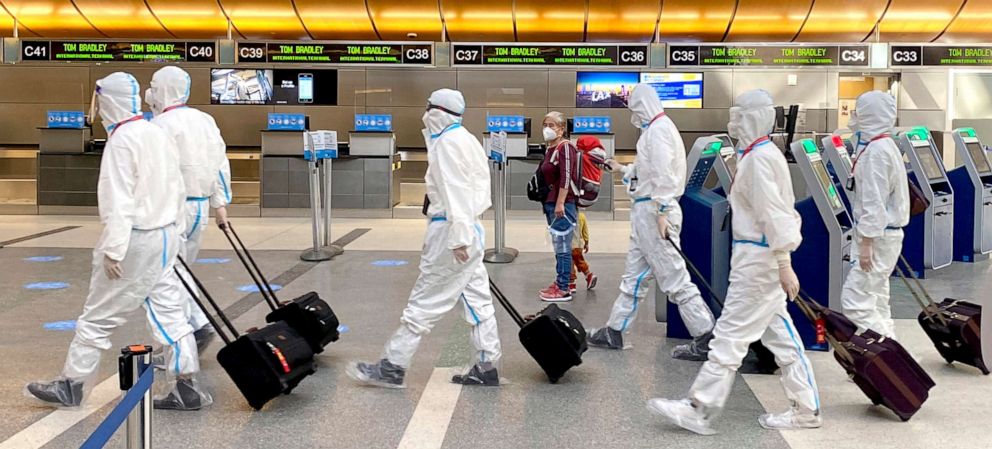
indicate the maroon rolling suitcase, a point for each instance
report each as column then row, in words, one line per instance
column 953, row 325
column 879, row 366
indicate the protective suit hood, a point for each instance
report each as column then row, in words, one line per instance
column 450, row 105
column 170, row 87
column 875, row 114
column 644, row 105
column 752, row 117
column 118, row 98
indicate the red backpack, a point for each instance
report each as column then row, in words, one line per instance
column 589, row 172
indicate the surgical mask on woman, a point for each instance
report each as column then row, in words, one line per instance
column 550, row 134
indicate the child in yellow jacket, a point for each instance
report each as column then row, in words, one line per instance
column 580, row 246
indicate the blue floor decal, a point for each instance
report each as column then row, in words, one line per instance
column 252, row 288
column 46, row 285
column 342, row 328
column 389, row 263
column 212, row 261
column 43, row 259
column 67, row 325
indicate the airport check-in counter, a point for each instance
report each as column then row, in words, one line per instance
column 285, row 188
column 366, row 176
column 68, row 172
column 18, row 180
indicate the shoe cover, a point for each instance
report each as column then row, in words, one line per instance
column 204, row 336
column 683, row 414
column 380, row 374
column 605, row 337
column 794, row 418
column 184, row 394
column 695, row 351
column 484, row 374
column 59, row 392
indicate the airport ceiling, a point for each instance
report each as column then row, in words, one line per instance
column 508, row 20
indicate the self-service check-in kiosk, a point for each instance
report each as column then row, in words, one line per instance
column 823, row 259
column 705, row 235
column 838, row 152
column 929, row 241
column 972, row 184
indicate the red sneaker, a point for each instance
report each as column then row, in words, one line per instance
column 556, row 295
column 547, row 289
column 571, row 288
column 591, row 280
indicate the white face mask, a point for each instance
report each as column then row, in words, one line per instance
column 550, row 134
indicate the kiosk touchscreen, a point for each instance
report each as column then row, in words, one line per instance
column 822, row 261
column 705, row 233
column 972, row 184
column 929, row 241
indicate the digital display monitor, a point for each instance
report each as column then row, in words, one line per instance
column 978, row 155
column 827, row 184
column 604, row 89
column 273, row 87
column 677, row 90
column 929, row 162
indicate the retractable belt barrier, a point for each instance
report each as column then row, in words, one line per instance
column 135, row 408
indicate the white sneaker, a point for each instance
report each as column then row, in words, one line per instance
column 683, row 414
column 794, row 418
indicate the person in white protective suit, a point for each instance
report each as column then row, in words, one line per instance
column 880, row 203
column 655, row 182
column 141, row 196
column 451, row 268
column 205, row 168
column 766, row 230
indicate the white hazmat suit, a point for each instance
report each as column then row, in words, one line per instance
column 880, row 203
column 766, row 229
column 202, row 160
column 141, row 197
column 655, row 181
column 458, row 187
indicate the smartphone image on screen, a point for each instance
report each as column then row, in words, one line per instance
column 305, row 88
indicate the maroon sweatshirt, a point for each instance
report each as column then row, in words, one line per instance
column 558, row 168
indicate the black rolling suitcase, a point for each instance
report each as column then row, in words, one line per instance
column 879, row 366
column 310, row 315
column 554, row 337
column 263, row 363
column 953, row 325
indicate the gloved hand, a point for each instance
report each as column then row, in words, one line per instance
column 663, row 226
column 787, row 277
column 461, row 254
column 220, row 214
column 585, row 248
column 112, row 268
column 614, row 165
column 865, row 253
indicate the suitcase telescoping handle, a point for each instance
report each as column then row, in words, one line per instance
column 698, row 274
column 506, row 304
column 930, row 308
column 804, row 301
column 210, row 299
column 248, row 261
